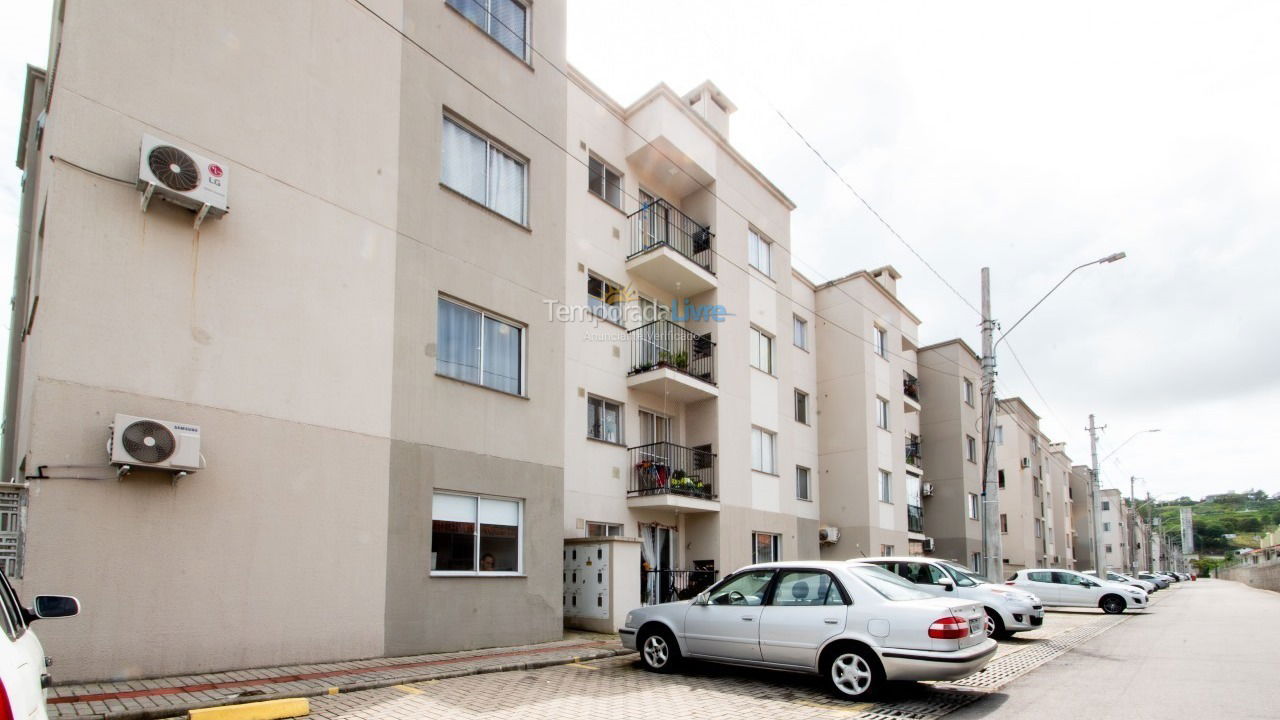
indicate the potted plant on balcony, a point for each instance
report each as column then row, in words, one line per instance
column 678, row 360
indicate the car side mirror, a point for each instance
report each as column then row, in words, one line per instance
column 703, row 598
column 55, row 606
column 947, row 584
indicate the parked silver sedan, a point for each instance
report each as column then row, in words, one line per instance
column 857, row 625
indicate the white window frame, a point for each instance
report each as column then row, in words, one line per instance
column 519, row 571
column 602, row 308
column 775, row 546
column 761, row 350
column 607, row 529
column 971, row 448
column 1038, row 525
column 489, row 18
column 800, row 331
column 760, row 252
column 882, row 413
column 605, row 171
column 968, row 392
column 880, row 341
column 808, row 483
column 484, row 315
column 759, row 436
column 621, row 410
column 887, row 550
column 974, row 506
column 885, row 487
column 491, row 146
column 802, row 396
column 999, row 434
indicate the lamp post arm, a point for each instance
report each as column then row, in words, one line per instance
column 1108, row 259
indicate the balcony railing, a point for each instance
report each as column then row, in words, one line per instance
column 659, row 224
column 911, row 386
column 913, row 451
column 661, row 586
column 663, row 343
column 664, row 468
column 915, row 518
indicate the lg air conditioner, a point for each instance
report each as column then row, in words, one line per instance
column 828, row 535
column 183, row 178
column 138, row 442
column 928, row 545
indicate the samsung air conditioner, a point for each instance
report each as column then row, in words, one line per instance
column 138, row 442
column 828, row 535
column 183, row 178
column 928, row 545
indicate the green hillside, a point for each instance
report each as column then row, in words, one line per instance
column 1243, row 514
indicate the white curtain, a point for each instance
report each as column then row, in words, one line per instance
column 458, row 341
column 463, row 164
column 474, row 10
column 649, row 554
column 501, row 356
column 506, row 185
column 508, row 25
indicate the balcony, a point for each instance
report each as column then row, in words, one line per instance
column 670, row 250
column 910, row 392
column 673, row 362
column 664, row 586
column 913, row 452
column 666, row 475
column 915, row 519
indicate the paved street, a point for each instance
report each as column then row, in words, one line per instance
column 1211, row 649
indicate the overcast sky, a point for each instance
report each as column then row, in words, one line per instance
column 1018, row 136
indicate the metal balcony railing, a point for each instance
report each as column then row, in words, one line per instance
column 664, row 468
column 915, row 518
column 661, row 586
column 913, row 451
column 659, row 224
column 911, row 386
column 663, row 343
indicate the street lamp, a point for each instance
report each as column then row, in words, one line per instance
column 1126, row 442
column 993, row 557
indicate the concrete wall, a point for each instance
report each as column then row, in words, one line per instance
column 1266, row 577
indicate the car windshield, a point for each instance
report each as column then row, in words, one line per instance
column 964, row 577
column 886, row 583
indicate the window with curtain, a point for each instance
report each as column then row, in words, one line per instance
column 766, row 547
column 476, row 347
column 471, row 534
column 479, row 169
column 604, row 419
column 758, row 252
column 761, row 351
column 505, row 20
column 763, row 450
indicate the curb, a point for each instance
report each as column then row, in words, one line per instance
column 184, row 710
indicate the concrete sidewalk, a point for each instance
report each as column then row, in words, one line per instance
column 175, row 696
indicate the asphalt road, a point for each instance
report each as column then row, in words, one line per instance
column 1210, row 649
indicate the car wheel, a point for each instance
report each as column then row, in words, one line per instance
column 995, row 626
column 1112, row 604
column 659, row 651
column 853, row 672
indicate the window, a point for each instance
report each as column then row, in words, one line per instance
column 761, row 351
column 802, row 407
column 975, row 562
column 1108, row 547
column 886, row 550
column 654, row 428
column 882, row 413
column 799, row 332
column 479, row 169
column 599, row 529
column 968, row 391
column 605, row 299
column 803, row 588
column 1000, row 477
column 1106, row 527
column 747, row 588
column 970, row 449
column 604, row 182
column 476, row 347
column 1004, row 523
column 878, row 340
column 974, row 506
column 999, row 434
column 1106, row 504
column 1035, row 445
column 475, row 535
column 766, row 547
column 758, row 252
column 1039, row 527
column 763, row 444
column 802, row 483
column 886, row 486
column 604, row 419
column 505, row 20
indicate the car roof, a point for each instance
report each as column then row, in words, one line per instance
column 825, row 564
column 898, row 558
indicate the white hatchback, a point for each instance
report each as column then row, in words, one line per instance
column 1068, row 588
column 22, row 661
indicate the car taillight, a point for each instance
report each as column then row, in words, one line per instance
column 1008, row 582
column 6, row 712
column 947, row 628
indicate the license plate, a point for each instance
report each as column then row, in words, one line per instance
column 975, row 624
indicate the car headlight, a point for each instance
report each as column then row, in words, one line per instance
column 630, row 621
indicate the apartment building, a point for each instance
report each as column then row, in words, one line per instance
column 1082, row 515
column 950, row 447
column 690, row 377
column 869, row 405
column 1113, row 530
column 1058, row 504
column 1020, row 456
column 361, row 341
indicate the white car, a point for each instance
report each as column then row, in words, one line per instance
column 857, row 625
column 22, row 661
column 1009, row 610
column 1115, row 577
column 1068, row 588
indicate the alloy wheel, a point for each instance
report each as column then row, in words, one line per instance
column 851, row 674
column 656, row 651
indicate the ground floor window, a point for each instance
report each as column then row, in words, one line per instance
column 475, row 535
column 598, row 529
column 975, row 562
column 766, row 547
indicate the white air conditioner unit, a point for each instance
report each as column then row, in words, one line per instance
column 1026, row 462
column 828, row 535
column 926, row 489
column 928, row 545
column 160, row 444
column 182, row 177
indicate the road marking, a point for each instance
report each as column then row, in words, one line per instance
column 334, row 690
column 410, row 690
column 584, row 667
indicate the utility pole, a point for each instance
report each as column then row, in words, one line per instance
column 992, row 557
column 1095, row 503
column 1133, row 530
